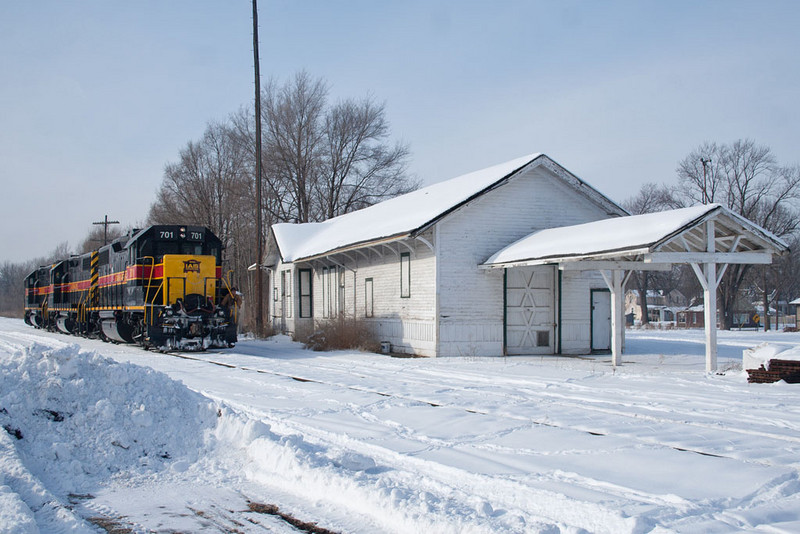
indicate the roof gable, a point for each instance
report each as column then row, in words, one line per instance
column 413, row 212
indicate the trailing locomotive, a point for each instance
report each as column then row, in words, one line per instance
column 161, row 287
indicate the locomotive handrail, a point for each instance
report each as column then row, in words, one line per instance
column 230, row 292
column 81, row 310
column 147, row 292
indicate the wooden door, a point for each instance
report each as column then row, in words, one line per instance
column 601, row 320
column 530, row 297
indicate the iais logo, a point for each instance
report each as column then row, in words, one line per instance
column 191, row 266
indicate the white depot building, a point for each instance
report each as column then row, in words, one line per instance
column 519, row 258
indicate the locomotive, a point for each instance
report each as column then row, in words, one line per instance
column 161, row 287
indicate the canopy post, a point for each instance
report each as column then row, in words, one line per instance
column 614, row 281
column 710, row 301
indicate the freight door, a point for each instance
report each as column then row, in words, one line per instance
column 530, row 297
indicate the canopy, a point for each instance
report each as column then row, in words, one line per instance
column 702, row 236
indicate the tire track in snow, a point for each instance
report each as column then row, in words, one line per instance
column 580, row 404
column 615, row 496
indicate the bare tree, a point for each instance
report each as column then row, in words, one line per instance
column 206, row 184
column 747, row 179
column 293, row 114
column 319, row 162
column 358, row 168
column 322, row 161
column 211, row 185
column 94, row 239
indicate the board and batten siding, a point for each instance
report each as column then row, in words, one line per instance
column 408, row 323
column 471, row 299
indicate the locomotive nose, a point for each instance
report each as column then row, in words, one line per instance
column 189, row 275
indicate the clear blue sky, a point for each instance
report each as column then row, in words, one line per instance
column 97, row 96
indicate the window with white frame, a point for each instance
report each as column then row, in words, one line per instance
column 305, row 300
column 326, row 293
column 368, row 300
column 286, row 289
column 340, row 295
column 332, row 292
column 405, row 275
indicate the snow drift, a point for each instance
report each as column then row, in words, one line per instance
column 73, row 420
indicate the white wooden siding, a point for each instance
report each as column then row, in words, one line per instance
column 408, row 323
column 576, row 295
column 471, row 299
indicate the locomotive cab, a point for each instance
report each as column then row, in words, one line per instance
column 180, row 286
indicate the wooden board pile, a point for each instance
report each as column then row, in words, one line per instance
column 786, row 370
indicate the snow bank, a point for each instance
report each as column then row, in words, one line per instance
column 386, row 499
column 755, row 357
column 73, row 420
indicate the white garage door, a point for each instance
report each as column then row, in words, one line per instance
column 530, row 324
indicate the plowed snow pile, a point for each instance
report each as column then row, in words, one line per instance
column 72, row 419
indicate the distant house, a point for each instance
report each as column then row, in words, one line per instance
column 662, row 306
column 410, row 267
column 796, row 307
column 691, row 317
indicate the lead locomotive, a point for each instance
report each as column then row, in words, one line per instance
column 160, row 287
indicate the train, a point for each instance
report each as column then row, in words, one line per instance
column 161, row 287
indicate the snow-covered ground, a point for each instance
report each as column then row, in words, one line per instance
column 366, row 443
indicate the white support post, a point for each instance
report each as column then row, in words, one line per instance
column 614, row 281
column 710, row 301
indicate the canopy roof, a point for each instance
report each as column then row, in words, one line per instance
column 412, row 213
column 708, row 235
column 640, row 238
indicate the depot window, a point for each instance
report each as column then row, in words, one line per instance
column 405, row 275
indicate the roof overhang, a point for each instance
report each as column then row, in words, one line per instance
column 653, row 241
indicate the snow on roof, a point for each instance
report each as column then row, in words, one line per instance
column 396, row 217
column 607, row 235
column 620, row 234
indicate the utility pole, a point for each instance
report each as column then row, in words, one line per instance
column 259, row 222
column 105, row 222
column 705, row 162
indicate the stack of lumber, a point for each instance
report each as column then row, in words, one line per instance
column 786, row 370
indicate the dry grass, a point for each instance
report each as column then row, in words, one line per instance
column 111, row 525
column 304, row 526
column 339, row 334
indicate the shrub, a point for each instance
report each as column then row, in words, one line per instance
column 340, row 334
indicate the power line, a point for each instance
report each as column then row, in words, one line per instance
column 105, row 222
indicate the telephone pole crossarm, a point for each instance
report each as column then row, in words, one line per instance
column 105, row 222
